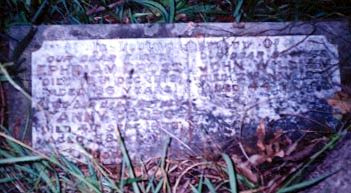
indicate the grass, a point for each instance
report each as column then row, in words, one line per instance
column 23, row 169
column 36, row 12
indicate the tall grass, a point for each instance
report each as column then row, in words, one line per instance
column 15, row 12
column 24, row 169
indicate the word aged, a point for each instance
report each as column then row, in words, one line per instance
column 188, row 88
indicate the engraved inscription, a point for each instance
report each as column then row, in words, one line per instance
column 188, row 88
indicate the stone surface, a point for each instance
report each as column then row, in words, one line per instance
column 190, row 88
column 339, row 159
column 203, row 84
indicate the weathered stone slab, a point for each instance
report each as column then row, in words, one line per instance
column 201, row 84
column 190, row 88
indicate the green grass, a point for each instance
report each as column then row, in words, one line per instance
column 24, row 169
column 36, row 12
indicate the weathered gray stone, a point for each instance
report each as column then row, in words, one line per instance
column 200, row 84
column 339, row 161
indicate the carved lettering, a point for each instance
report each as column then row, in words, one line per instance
column 186, row 87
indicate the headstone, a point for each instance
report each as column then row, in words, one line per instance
column 201, row 90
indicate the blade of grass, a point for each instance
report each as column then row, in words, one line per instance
column 154, row 5
column 158, row 187
column 194, row 189
column 92, row 172
column 20, row 159
column 81, row 178
column 246, row 182
column 6, row 180
column 13, row 83
column 45, row 177
column 127, row 160
column 141, row 14
column 179, row 140
column 27, row 169
column 185, row 171
column 150, row 184
column 231, row 172
column 302, row 185
column 5, row 154
column 199, row 187
column 18, row 150
column 180, row 4
column 105, row 176
column 131, row 180
column 172, row 10
column 120, row 12
column 39, row 11
column 131, row 16
column 71, row 166
column 298, row 174
column 238, row 11
column 210, row 186
column 58, row 184
column 55, row 162
column 26, row 126
column 163, row 164
column 197, row 9
column 122, row 183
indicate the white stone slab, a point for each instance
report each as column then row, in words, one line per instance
column 188, row 88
